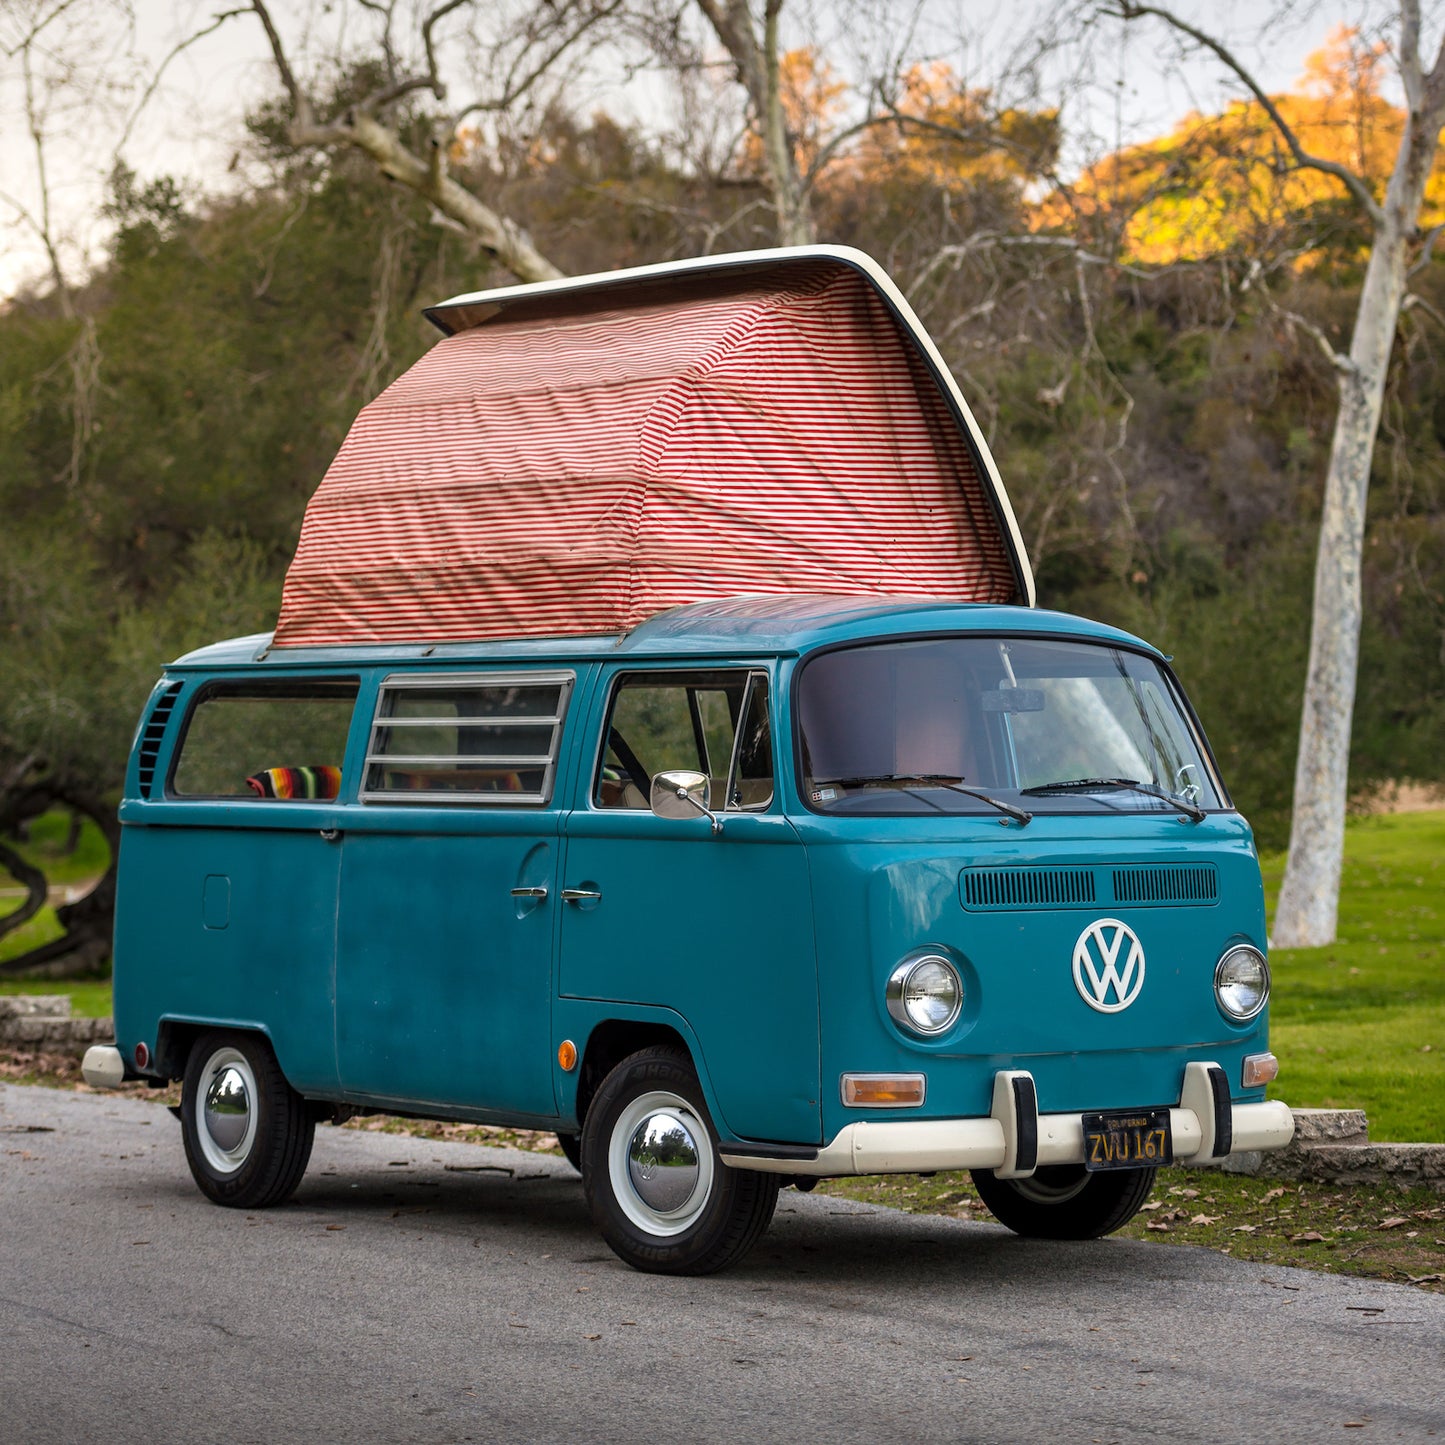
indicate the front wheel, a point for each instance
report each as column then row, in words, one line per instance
column 1065, row 1201
column 662, row 1198
column 247, row 1132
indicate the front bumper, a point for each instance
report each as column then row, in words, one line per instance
column 1014, row 1140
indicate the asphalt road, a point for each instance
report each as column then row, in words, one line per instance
column 443, row 1292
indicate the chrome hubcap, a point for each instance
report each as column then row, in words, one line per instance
column 228, row 1108
column 225, row 1110
column 662, row 1162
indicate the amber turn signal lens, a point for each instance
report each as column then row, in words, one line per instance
column 567, row 1056
column 883, row 1091
column 1260, row 1069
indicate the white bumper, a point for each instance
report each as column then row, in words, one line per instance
column 918, row 1146
column 102, row 1067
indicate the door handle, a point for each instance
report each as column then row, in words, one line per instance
column 331, row 834
column 578, row 895
column 537, row 893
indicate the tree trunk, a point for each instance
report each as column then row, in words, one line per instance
column 1309, row 898
column 790, row 201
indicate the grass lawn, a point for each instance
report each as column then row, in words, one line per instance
column 1361, row 1024
column 45, row 848
column 89, row 997
column 1378, row 1231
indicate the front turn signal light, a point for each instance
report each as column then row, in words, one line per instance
column 1259, row 1069
column 883, row 1091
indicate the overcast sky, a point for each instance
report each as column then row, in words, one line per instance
column 191, row 127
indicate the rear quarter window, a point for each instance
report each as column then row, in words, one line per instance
column 282, row 741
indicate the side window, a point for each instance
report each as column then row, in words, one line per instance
column 660, row 721
column 476, row 737
column 281, row 741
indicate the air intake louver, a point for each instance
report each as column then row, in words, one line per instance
column 1165, row 885
column 985, row 888
column 151, row 735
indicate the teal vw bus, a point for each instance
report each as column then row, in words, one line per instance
column 734, row 891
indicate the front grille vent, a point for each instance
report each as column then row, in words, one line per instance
column 151, row 735
column 986, row 888
column 1166, row 885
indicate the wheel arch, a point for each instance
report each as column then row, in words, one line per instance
column 176, row 1037
column 614, row 1038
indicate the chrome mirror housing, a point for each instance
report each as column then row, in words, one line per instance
column 683, row 794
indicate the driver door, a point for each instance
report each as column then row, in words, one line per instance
column 713, row 927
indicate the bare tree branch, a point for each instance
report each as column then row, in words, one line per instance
column 1129, row 10
column 148, row 93
column 360, row 129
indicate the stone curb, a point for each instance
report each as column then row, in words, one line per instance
column 1332, row 1146
column 43, row 1021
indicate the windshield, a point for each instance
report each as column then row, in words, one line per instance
column 1044, row 726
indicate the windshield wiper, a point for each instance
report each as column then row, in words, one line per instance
column 1090, row 785
column 942, row 780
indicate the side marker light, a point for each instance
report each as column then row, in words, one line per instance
column 567, row 1056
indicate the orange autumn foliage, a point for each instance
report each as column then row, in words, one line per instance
column 960, row 138
column 812, row 98
column 1218, row 183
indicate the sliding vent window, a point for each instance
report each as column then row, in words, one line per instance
column 478, row 738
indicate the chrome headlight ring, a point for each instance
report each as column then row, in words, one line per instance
column 925, row 994
column 1241, row 983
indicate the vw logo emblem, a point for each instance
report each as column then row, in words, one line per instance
column 1103, row 982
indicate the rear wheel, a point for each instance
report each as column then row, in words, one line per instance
column 1065, row 1201
column 247, row 1132
column 660, row 1195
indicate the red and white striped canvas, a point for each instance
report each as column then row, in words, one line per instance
column 580, row 473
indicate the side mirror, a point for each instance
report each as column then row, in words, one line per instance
column 681, row 794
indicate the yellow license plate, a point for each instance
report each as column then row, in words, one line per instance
column 1127, row 1139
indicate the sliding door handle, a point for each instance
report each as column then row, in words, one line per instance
column 580, row 895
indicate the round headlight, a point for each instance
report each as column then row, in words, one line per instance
column 925, row 994
column 1241, row 982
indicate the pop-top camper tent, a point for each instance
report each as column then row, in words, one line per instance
column 578, row 455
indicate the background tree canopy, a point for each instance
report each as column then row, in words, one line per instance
column 1160, row 420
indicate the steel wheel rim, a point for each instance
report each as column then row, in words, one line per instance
column 226, row 1110
column 625, row 1170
